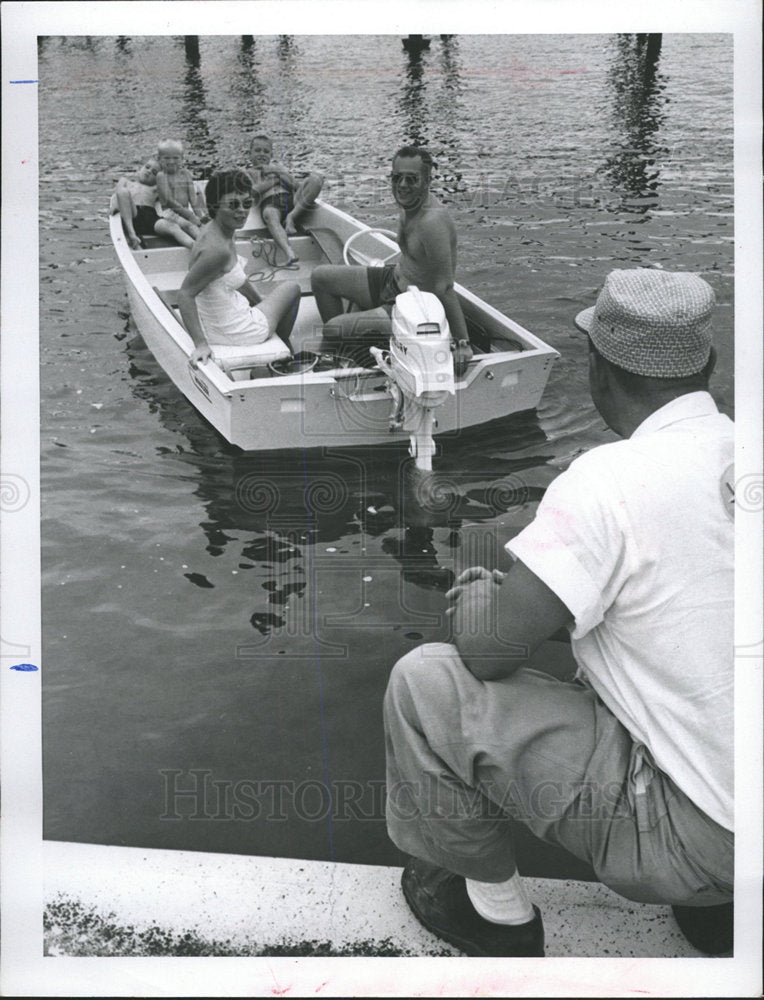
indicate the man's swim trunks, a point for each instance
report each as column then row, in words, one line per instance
column 383, row 288
column 145, row 220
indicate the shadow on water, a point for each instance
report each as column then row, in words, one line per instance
column 637, row 111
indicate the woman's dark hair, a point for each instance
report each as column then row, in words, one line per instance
column 225, row 182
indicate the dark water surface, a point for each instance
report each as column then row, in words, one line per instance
column 226, row 623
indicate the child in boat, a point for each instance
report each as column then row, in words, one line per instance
column 282, row 198
column 136, row 199
column 182, row 205
column 219, row 306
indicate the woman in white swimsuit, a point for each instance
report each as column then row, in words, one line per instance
column 218, row 305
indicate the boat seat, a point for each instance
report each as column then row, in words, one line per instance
column 328, row 242
column 235, row 356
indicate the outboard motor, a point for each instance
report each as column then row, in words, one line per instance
column 420, row 368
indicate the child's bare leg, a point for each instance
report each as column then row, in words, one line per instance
column 172, row 231
column 127, row 212
column 304, row 197
column 272, row 219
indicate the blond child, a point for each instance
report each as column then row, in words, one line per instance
column 281, row 196
column 182, row 206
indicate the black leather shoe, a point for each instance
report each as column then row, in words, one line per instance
column 710, row 929
column 439, row 901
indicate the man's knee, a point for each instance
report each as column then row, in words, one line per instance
column 420, row 670
column 320, row 277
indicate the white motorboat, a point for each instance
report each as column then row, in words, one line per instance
column 313, row 400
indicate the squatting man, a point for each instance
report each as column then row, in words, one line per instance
column 631, row 549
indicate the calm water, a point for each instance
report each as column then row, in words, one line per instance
column 227, row 622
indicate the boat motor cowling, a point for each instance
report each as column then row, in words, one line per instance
column 420, row 346
column 419, row 367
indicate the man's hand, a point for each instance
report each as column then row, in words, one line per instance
column 469, row 576
column 462, row 356
column 500, row 619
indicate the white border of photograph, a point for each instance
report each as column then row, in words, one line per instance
column 25, row 972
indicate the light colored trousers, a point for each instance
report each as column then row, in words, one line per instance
column 463, row 754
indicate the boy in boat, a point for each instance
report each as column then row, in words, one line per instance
column 630, row 767
column 427, row 238
column 136, row 201
column 282, row 198
column 182, row 205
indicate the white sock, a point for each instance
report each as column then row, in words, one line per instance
column 501, row 902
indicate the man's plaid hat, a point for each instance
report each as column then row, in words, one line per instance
column 651, row 322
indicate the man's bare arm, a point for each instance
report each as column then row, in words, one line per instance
column 437, row 238
column 497, row 626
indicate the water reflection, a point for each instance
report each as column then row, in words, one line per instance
column 637, row 113
column 201, row 149
column 286, row 51
column 411, row 101
column 247, row 89
column 432, row 117
column 451, row 65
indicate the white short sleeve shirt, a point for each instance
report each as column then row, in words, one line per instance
column 636, row 538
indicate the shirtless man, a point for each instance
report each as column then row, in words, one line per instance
column 427, row 238
column 182, row 205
